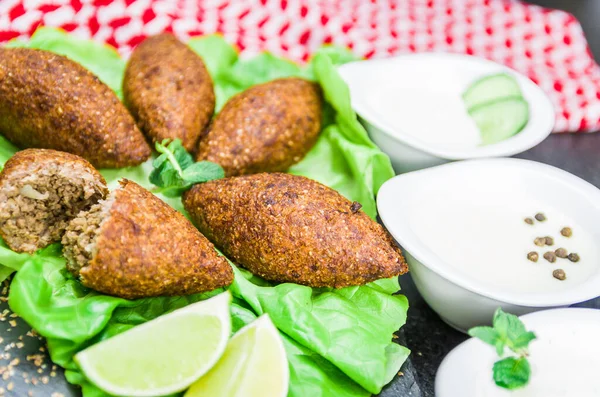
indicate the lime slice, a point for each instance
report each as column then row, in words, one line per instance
column 254, row 365
column 162, row 356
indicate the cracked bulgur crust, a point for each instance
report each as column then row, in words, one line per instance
column 48, row 101
column 169, row 91
column 133, row 245
column 41, row 190
column 288, row 228
column 267, row 128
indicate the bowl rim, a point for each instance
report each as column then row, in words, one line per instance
column 508, row 147
column 533, row 320
column 403, row 234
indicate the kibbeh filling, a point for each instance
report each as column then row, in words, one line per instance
column 79, row 240
column 39, row 199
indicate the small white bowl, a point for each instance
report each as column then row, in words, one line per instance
column 447, row 74
column 464, row 301
column 564, row 358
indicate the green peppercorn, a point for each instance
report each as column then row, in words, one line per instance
column 561, row 253
column 566, row 231
column 550, row 256
column 559, row 274
column 533, row 256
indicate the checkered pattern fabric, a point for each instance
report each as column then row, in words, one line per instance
column 546, row 45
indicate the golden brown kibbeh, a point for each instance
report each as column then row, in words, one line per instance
column 288, row 228
column 48, row 101
column 133, row 245
column 41, row 190
column 169, row 91
column 267, row 128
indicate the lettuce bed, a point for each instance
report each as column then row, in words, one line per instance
column 338, row 342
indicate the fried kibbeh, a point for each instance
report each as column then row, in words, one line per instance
column 288, row 228
column 41, row 190
column 48, row 101
column 133, row 245
column 267, row 128
column 169, row 91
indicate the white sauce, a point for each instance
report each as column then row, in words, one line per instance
column 562, row 365
column 482, row 234
column 428, row 106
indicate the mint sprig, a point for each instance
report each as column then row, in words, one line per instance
column 508, row 332
column 175, row 170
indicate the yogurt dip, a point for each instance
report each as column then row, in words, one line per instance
column 482, row 233
column 462, row 227
column 427, row 105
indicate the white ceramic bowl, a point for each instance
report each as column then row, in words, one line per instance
column 564, row 359
column 452, row 73
column 464, row 301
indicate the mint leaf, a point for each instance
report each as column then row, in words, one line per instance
column 508, row 331
column 500, row 345
column 512, row 373
column 203, row 171
column 184, row 159
column 160, row 161
column 175, row 170
column 512, row 331
column 165, row 176
column 487, row 334
column 172, row 152
column 522, row 342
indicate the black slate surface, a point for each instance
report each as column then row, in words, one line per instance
column 26, row 370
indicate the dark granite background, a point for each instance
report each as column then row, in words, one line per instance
column 26, row 370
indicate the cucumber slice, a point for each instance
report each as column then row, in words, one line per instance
column 490, row 89
column 501, row 119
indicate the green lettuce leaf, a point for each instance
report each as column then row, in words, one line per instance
column 338, row 342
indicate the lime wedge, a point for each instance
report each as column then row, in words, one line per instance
column 254, row 365
column 162, row 356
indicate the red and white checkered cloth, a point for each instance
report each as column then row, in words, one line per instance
column 546, row 45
